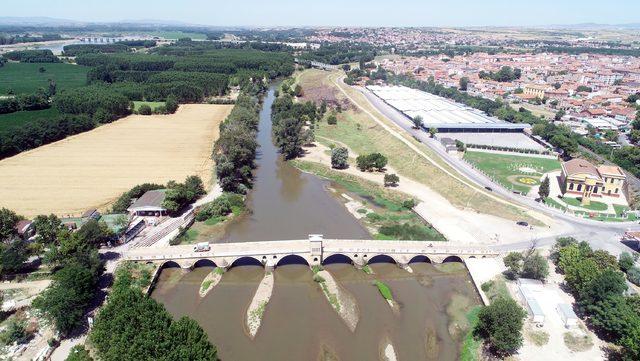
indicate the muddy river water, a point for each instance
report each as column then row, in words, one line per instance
column 299, row 323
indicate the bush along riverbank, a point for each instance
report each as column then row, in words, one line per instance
column 386, row 293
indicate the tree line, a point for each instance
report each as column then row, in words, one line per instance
column 32, row 56
column 79, row 49
column 293, row 124
column 16, row 39
column 505, row 74
column 235, row 150
column 595, row 279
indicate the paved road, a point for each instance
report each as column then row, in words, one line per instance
column 601, row 235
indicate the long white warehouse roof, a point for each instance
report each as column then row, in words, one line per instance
column 437, row 111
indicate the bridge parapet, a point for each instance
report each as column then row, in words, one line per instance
column 314, row 251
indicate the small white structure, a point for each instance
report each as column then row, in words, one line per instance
column 528, row 291
column 569, row 318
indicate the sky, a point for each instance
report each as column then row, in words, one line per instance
column 337, row 12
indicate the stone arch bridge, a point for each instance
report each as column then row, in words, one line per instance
column 312, row 251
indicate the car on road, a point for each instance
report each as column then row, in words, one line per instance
column 488, row 188
column 202, row 247
column 522, row 223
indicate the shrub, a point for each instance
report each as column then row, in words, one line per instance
column 339, row 157
column 391, row 180
column 332, row 119
column 633, row 274
column 626, row 261
column 144, row 109
column 385, row 291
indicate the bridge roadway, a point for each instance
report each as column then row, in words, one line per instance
column 314, row 251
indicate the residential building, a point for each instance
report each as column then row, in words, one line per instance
column 535, row 91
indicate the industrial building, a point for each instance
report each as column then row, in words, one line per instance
column 441, row 113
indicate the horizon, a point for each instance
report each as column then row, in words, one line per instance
column 281, row 13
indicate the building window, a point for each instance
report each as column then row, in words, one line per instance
column 579, row 187
column 616, row 192
column 570, row 186
column 595, row 189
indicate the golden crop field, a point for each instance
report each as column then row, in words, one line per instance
column 92, row 169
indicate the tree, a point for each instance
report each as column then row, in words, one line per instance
column 500, row 324
column 332, row 119
column 626, row 261
column 605, row 284
column 464, row 83
column 417, row 122
column 378, row 161
column 47, row 228
column 535, row 266
column 171, row 104
column 513, row 262
column 8, row 221
column 297, row 91
column 433, row 131
column 543, row 190
column 363, row 163
column 339, row 157
column 79, row 353
column 13, row 254
column 66, row 300
column 559, row 114
column 288, row 137
column 391, row 180
column 132, row 326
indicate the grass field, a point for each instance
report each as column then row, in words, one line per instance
column 93, row 168
column 174, row 35
column 593, row 206
column 26, row 78
column 363, row 135
column 508, row 170
column 12, row 121
column 153, row 105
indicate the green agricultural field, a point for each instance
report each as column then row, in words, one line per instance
column 27, row 78
column 179, row 35
column 153, row 105
column 12, row 121
column 513, row 171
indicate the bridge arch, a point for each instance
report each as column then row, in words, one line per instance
column 292, row 259
column 246, row 261
column 170, row 264
column 381, row 258
column 453, row 259
column 337, row 258
column 204, row 263
column 420, row 259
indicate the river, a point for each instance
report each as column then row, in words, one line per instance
column 299, row 323
column 286, row 203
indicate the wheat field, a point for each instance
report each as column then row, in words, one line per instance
column 92, row 169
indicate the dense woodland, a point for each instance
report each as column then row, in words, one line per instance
column 293, row 123
column 184, row 72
